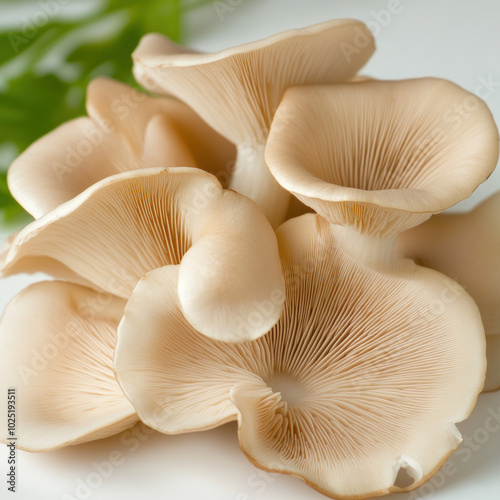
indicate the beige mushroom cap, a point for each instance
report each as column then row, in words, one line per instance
column 57, row 343
column 231, row 89
column 126, row 225
column 466, row 247
column 359, row 379
column 126, row 130
column 237, row 90
column 382, row 156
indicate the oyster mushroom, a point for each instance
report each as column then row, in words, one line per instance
column 380, row 157
column 237, row 90
column 230, row 281
column 57, row 343
column 126, row 130
column 353, row 384
column 466, row 247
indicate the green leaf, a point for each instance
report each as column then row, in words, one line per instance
column 11, row 212
column 44, row 73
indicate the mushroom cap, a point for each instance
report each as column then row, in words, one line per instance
column 126, row 130
column 382, row 156
column 238, row 90
column 57, row 343
column 361, row 377
column 116, row 231
column 466, row 247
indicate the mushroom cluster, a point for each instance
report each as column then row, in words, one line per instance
column 192, row 287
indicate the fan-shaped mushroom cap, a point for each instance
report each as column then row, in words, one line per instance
column 126, row 130
column 465, row 247
column 382, row 156
column 131, row 223
column 57, row 343
column 360, row 377
column 232, row 89
column 238, row 90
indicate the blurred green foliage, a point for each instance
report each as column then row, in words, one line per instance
column 49, row 56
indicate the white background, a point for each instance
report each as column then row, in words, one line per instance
column 454, row 39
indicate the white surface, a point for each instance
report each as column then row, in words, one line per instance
column 458, row 40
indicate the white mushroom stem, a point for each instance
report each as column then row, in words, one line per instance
column 373, row 251
column 252, row 178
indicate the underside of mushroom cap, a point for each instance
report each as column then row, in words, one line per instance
column 130, row 112
column 126, row 130
column 231, row 89
column 128, row 224
column 361, row 376
column 57, row 343
column 382, row 156
column 465, row 247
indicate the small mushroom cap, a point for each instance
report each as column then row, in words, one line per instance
column 231, row 89
column 126, row 130
column 466, row 247
column 57, row 343
column 361, row 377
column 126, row 225
column 382, row 156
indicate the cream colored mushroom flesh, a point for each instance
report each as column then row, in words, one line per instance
column 230, row 281
column 237, row 90
column 126, row 130
column 466, row 247
column 382, row 156
column 57, row 343
column 357, row 381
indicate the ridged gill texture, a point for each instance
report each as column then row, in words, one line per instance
column 237, row 91
column 356, row 381
column 57, row 344
column 382, row 156
column 132, row 223
column 466, row 247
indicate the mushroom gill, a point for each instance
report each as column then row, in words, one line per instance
column 57, row 343
column 237, row 90
column 382, row 156
column 466, row 247
column 360, row 378
column 126, row 130
column 116, row 231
